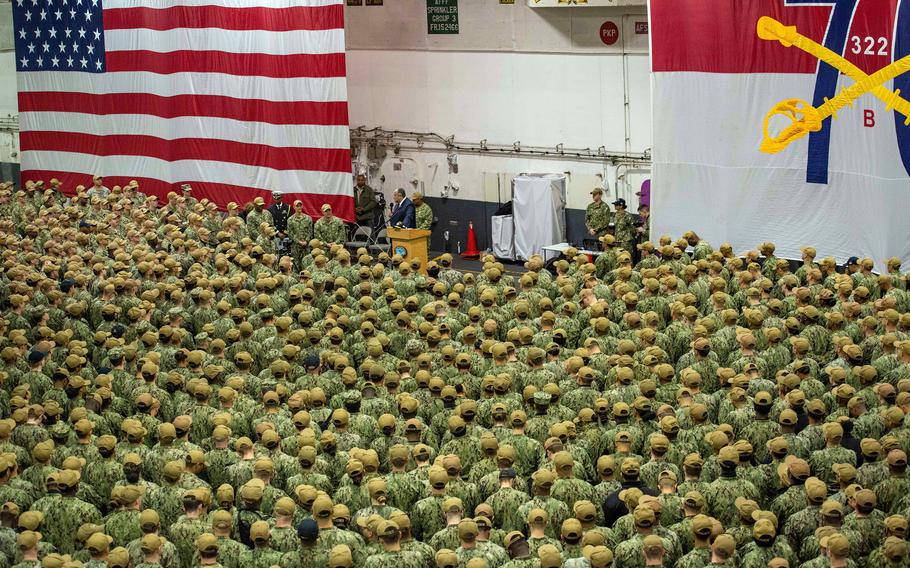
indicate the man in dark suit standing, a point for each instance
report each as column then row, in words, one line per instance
column 365, row 203
column 402, row 211
column 280, row 212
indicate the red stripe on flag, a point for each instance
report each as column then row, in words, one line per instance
column 208, row 149
column 247, row 110
column 221, row 194
column 268, row 19
column 245, row 64
column 719, row 36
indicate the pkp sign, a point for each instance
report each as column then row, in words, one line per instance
column 609, row 33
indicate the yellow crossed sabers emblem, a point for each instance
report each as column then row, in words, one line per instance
column 805, row 118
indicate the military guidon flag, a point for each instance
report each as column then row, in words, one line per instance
column 783, row 117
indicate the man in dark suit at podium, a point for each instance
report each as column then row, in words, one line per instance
column 402, row 211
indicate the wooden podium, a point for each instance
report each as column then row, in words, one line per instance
column 410, row 244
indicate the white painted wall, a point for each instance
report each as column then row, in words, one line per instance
column 490, row 26
column 537, row 99
column 538, row 76
column 9, row 141
column 9, row 104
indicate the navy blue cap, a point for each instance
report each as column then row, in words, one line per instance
column 852, row 260
column 307, row 529
column 117, row 330
column 34, row 356
column 66, row 284
column 507, row 473
column 311, row 361
column 620, row 201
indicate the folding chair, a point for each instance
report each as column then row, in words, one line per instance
column 381, row 241
column 360, row 238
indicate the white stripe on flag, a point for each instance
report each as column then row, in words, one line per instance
column 282, row 136
column 218, row 84
column 229, row 41
column 729, row 135
column 161, row 4
column 288, row 181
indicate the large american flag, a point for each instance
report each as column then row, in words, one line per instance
column 237, row 98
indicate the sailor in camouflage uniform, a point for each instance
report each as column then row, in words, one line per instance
column 328, row 228
column 597, row 214
column 175, row 387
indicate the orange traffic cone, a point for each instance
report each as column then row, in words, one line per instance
column 472, row 251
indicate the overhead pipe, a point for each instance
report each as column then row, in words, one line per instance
column 392, row 138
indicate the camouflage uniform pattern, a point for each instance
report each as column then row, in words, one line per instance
column 173, row 349
column 423, row 216
column 597, row 217
column 329, row 230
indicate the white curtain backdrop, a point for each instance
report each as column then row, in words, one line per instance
column 539, row 211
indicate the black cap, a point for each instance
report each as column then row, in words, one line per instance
column 620, row 201
column 507, row 473
column 307, row 529
column 311, row 361
column 34, row 356
column 852, row 260
column 66, row 284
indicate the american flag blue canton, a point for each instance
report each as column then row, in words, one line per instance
column 59, row 35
